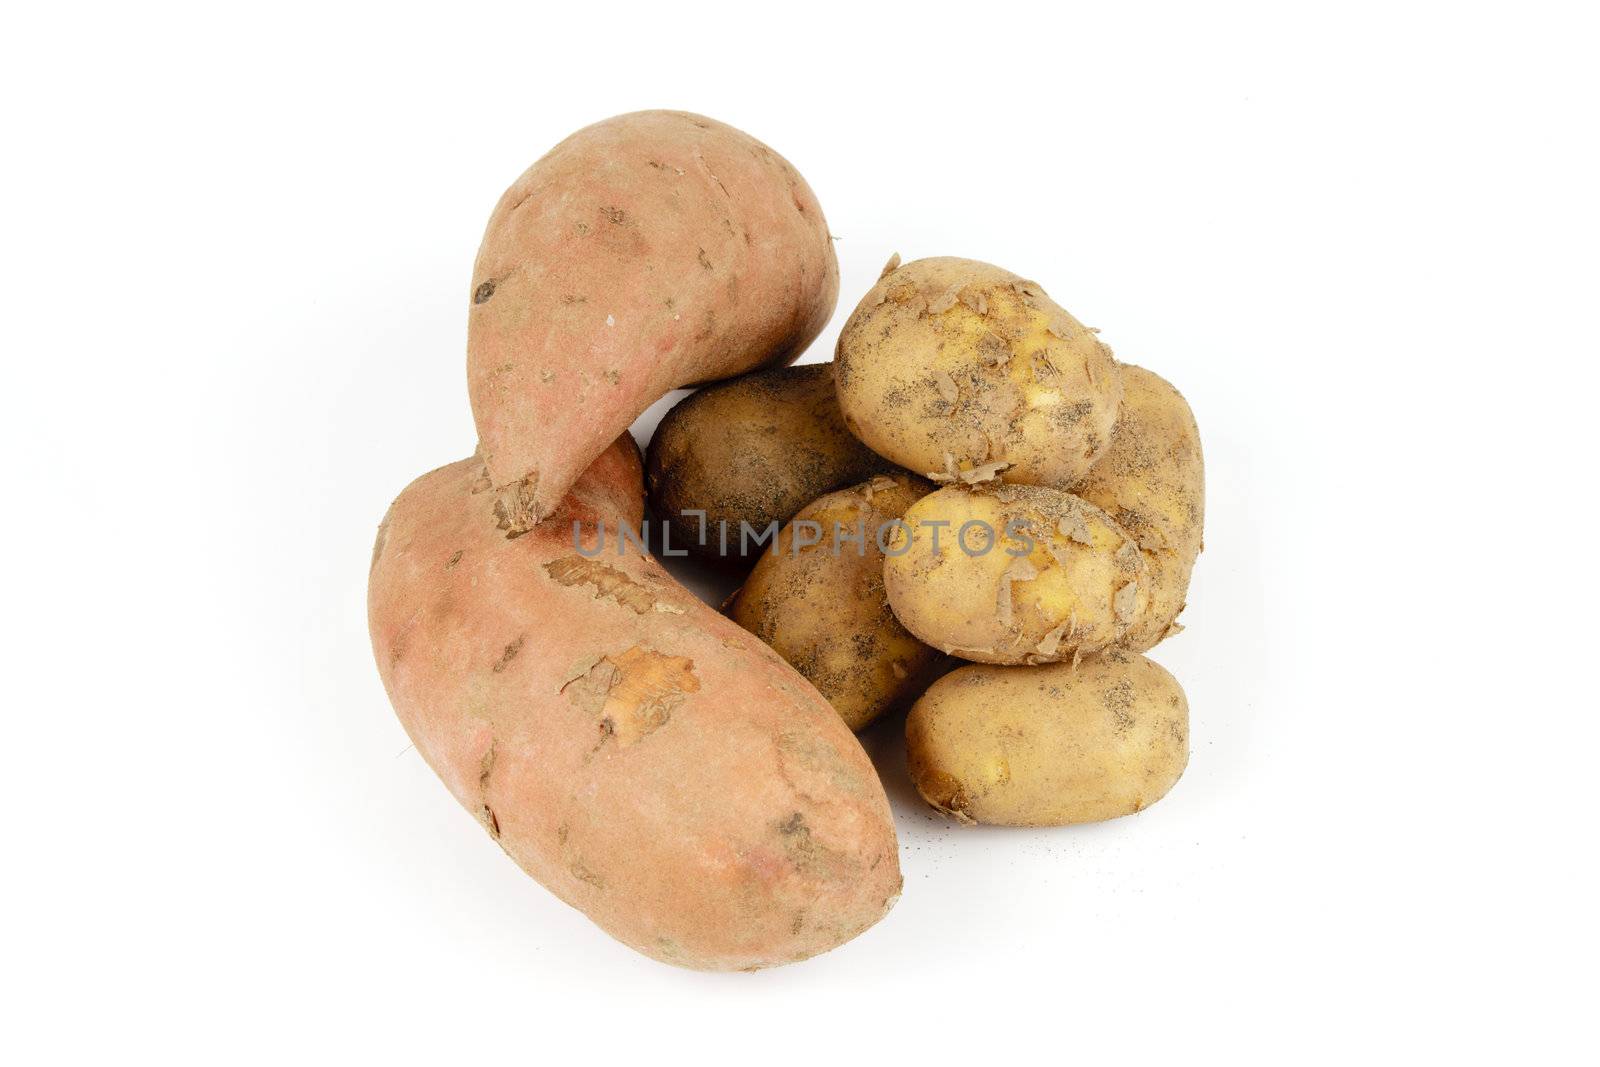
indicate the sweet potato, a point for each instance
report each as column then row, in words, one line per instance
column 646, row 252
column 641, row 756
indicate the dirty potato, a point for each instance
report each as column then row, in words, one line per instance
column 1014, row 574
column 817, row 598
column 960, row 370
column 1050, row 745
column 1152, row 481
column 753, row 451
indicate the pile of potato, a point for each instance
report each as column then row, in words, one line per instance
column 974, row 478
column 1040, row 508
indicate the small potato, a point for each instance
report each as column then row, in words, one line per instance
column 959, row 370
column 1051, row 745
column 754, row 450
column 1014, row 574
column 818, row 600
column 1152, row 480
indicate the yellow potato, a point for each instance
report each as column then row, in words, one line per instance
column 1051, row 745
column 960, row 370
column 752, row 451
column 817, row 599
column 1014, row 574
column 1152, row 481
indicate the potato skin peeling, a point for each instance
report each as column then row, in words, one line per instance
column 634, row 751
column 1061, row 579
column 1049, row 745
column 948, row 365
column 633, row 693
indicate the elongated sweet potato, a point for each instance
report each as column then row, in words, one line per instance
column 644, row 758
column 646, row 252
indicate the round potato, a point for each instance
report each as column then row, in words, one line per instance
column 752, row 451
column 1014, row 574
column 1152, row 480
column 1050, row 745
column 817, row 598
column 962, row 371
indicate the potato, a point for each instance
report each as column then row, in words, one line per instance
column 753, row 451
column 1050, row 745
column 817, row 599
column 1014, row 574
column 641, row 756
column 1152, row 481
column 961, row 370
column 646, row 252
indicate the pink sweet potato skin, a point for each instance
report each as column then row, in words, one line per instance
column 642, row 757
column 650, row 251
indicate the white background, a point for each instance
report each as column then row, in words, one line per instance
column 1361, row 238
